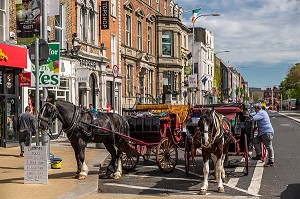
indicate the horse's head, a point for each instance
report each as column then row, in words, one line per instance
column 47, row 115
column 205, row 125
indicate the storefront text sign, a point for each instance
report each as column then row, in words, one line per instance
column 104, row 14
column 13, row 56
column 24, row 79
column 49, row 72
column 35, row 165
column 82, row 75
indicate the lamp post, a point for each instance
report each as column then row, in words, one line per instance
column 194, row 21
column 223, row 51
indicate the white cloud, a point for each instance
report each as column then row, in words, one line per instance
column 265, row 31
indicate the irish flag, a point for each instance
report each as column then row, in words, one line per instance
column 195, row 12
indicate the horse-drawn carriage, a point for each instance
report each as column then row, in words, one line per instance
column 155, row 129
column 238, row 132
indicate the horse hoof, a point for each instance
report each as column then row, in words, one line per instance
column 221, row 190
column 202, row 192
column 81, row 177
column 117, row 177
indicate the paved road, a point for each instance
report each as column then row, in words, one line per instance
column 281, row 181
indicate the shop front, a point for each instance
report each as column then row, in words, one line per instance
column 12, row 60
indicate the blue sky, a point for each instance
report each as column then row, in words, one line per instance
column 263, row 36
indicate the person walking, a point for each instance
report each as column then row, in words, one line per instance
column 26, row 129
column 265, row 134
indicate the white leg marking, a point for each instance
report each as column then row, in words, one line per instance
column 118, row 173
column 205, row 178
column 84, row 170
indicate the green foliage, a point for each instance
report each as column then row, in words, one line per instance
column 290, row 86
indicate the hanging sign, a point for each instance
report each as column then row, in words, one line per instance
column 192, row 81
column 115, row 71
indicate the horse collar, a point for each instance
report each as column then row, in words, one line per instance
column 73, row 124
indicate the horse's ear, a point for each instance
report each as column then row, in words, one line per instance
column 51, row 98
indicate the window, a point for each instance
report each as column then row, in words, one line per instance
column 129, row 79
column 167, row 43
column 60, row 26
column 113, row 50
column 139, row 35
column 165, row 7
column 150, row 82
column 150, row 3
column 2, row 20
column 171, row 11
column 92, row 27
column 157, row 5
column 83, row 27
column 149, row 40
column 128, row 30
column 113, row 7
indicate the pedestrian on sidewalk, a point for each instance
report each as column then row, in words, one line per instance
column 265, row 134
column 26, row 129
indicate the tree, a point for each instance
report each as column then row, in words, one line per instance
column 291, row 84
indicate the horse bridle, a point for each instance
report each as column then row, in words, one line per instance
column 217, row 122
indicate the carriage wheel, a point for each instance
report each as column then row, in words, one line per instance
column 246, row 154
column 187, row 155
column 129, row 162
column 166, row 155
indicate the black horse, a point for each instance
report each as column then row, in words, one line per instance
column 212, row 136
column 82, row 126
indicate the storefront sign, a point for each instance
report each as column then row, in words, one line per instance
column 24, row 79
column 193, row 81
column 82, row 75
column 104, row 15
column 49, row 72
column 13, row 56
column 28, row 13
column 88, row 63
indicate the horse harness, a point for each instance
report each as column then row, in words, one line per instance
column 74, row 124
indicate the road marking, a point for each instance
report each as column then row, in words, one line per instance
column 163, row 178
column 233, row 181
column 254, row 187
column 152, row 188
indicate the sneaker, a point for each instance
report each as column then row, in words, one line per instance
column 257, row 157
column 21, row 154
column 269, row 164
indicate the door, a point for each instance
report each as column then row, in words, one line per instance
column 11, row 121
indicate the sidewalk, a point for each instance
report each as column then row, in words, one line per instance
column 61, row 182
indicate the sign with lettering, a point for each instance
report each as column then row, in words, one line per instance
column 104, row 14
column 82, row 75
column 35, row 165
column 13, row 56
column 192, row 81
column 24, row 79
column 49, row 72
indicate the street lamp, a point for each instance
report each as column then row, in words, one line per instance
column 223, row 51
column 194, row 21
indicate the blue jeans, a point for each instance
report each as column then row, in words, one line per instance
column 267, row 140
column 24, row 139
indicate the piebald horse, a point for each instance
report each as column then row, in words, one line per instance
column 212, row 136
column 82, row 126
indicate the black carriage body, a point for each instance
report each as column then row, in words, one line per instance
column 148, row 129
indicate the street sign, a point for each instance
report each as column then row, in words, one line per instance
column 115, row 71
column 43, row 51
column 49, row 72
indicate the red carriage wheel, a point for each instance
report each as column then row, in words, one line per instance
column 129, row 162
column 166, row 155
column 246, row 154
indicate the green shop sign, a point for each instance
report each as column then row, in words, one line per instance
column 49, row 72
